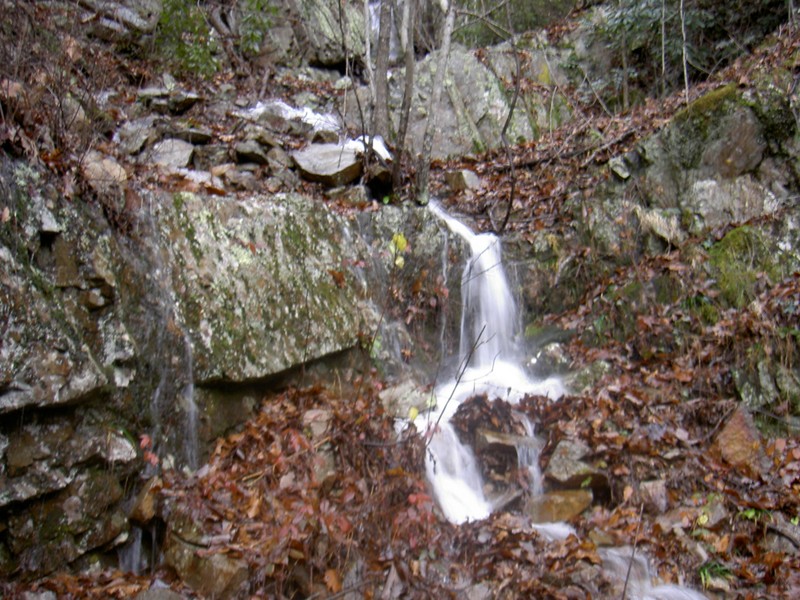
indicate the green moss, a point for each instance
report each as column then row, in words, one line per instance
column 667, row 288
column 708, row 105
column 701, row 307
column 738, row 260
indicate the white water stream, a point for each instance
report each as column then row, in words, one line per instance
column 487, row 364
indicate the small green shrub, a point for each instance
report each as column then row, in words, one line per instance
column 255, row 20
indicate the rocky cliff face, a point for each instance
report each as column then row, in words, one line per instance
column 109, row 335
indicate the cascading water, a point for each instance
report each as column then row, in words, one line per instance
column 174, row 393
column 486, row 365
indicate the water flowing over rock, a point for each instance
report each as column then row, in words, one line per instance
column 486, row 365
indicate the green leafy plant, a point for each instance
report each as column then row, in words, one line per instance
column 713, row 570
column 756, row 515
column 646, row 40
column 255, row 19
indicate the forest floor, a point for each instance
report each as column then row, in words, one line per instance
column 655, row 416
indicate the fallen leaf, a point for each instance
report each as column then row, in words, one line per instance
column 332, row 581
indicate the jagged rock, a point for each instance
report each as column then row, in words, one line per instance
column 329, row 164
column 170, row 154
column 61, row 528
column 168, row 100
column 211, row 157
column 42, row 364
column 250, row 151
column 555, row 506
column 132, row 136
column 123, row 20
column 279, row 160
column 191, row 134
column 41, row 459
column 144, row 508
column 568, row 470
column 485, row 438
column 261, row 135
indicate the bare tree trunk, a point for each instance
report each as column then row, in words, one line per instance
column 380, row 114
column 663, row 48
column 368, row 51
column 405, row 109
column 424, row 171
column 683, row 48
column 509, row 157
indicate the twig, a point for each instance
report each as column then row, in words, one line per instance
column 633, row 551
column 461, row 370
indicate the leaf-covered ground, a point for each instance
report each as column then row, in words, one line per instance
column 655, row 414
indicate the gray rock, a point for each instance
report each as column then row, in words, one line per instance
column 132, row 136
column 318, row 26
column 214, row 575
column 170, row 154
column 104, row 174
column 193, row 135
column 398, row 400
column 330, row 164
column 462, row 179
column 123, row 20
column 255, row 297
column 567, row 468
column 250, row 151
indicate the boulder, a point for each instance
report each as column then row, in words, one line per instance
column 462, row 179
column 330, row 164
column 210, row 575
column 170, row 153
column 567, row 469
column 104, row 174
column 317, row 25
column 475, row 102
column 123, row 20
column 132, row 136
column 250, row 151
column 253, row 283
column 556, row 506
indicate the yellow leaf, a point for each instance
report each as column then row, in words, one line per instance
column 627, row 493
column 413, row 412
column 400, row 242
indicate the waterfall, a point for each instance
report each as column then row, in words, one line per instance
column 487, row 364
